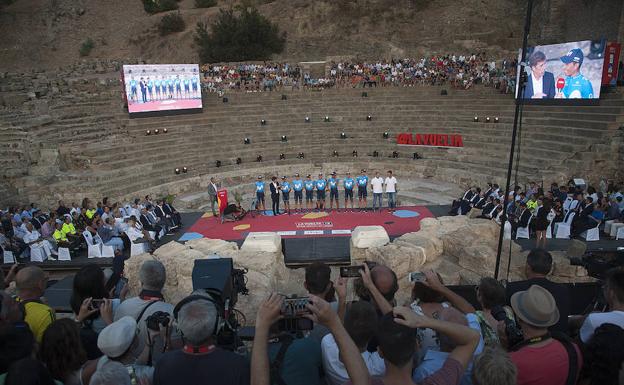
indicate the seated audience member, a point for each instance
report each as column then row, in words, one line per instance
column 583, row 220
column 33, row 239
column 523, row 218
column 173, row 213
column 112, row 373
column 488, row 208
column 481, row 201
column 200, row 359
column 119, row 342
column 604, row 356
column 62, row 209
column 152, row 276
column 70, row 230
column 159, row 211
column 106, row 232
column 361, row 323
column 148, row 225
column 540, row 358
column 31, row 283
column 494, row 367
column 462, row 205
column 538, row 266
column 29, row 371
column 614, row 295
column 135, row 232
column 63, row 354
column 491, row 297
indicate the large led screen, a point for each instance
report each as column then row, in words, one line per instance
column 162, row 87
column 564, row 71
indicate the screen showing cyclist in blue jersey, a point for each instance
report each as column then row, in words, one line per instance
column 333, row 191
column 260, row 193
column 286, row 187
column 362, row 184
column 297, row 185
column 348, row 184
column 576, row 86
column 308, row 184
column 321, row 185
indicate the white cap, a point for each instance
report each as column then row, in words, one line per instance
column 115, row 339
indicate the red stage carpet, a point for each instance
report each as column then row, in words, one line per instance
column 403, row 220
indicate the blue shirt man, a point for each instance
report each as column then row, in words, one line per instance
column 362, row 181
column 297, row 184
column 321, row 184
column 194, row 82
column 333, row 183
column 309, row 185
column 576, row 86
column 348, row 183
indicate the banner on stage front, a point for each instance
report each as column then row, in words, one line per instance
column 162, row 87
column 612, row 60
column 431, row 140
column 222, row 200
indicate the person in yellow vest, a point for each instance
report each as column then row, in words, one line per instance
column 69, row 230
column 31, row 283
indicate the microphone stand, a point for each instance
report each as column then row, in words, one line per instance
column 519, row 102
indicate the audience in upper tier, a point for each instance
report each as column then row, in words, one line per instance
column 439, row 338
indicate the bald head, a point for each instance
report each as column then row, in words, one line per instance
column 30, row 282
column 451, row 315
column 385, row 280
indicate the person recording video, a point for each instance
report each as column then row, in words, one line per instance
column 541, row 83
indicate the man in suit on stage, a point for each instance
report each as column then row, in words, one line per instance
column 275, row 193
column 213, row 187
column 540, row 84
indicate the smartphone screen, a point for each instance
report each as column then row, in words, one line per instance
column 351, row 271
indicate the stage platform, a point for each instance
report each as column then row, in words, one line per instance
column 315, row 224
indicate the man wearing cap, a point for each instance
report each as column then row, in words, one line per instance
column 333, row 191
column 362, row 183
column 298, row 189
column 576, row 86
column 540, row 358
column 119, row 342
column 348, row 183
column 321, row 185
column 309, row 189
column 260, row 194
column 286, row 193
column 275, row 191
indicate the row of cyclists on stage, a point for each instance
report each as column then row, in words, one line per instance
column 307, row 187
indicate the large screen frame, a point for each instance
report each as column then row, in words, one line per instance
column 162, row 89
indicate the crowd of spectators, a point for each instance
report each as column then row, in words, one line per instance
column 539, row 209
column 520, row 334
column 458, row 71
column 28, row 232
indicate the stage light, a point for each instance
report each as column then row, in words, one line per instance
column 327, row 118
column 164, row 130
column 301, row 155
column 335, row 154
column 496, row 119
column 284, row 138
column 364, row 94
column 375, row 154
column 263, row 122
column 184, row 169
column 156, row 131
column 386, row 135
column 177, row 170
column 395, row 154
column 239, row 161
column 343, row 135
column 307, row 119
column 148, row 132
column 259, row 158
column 247, row 140
column 354, row 154
column 487, row 119
column 284, row 97
column 225, row 100
column 476, row 118
column 417, row 156
column 369, row 118
column 218, row 163
column 282, row 156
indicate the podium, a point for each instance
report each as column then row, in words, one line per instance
column 222, row 200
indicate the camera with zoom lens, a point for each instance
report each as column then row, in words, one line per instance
column 156, row 319
column 512, row 331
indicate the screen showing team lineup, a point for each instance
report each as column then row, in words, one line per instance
column 162, row 87
column 564, row 71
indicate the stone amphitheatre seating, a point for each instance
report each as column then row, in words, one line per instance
column 80, row 142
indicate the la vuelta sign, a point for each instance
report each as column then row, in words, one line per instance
column 433, row 140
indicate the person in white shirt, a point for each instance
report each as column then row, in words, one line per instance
column 361, row 323
column 377, row 185
column 391, row 189
column 33, row 239
column 614, row 294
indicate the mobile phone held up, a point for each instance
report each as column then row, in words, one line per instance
column 351, row 271
column 416, row 276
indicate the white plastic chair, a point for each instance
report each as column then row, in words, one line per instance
column 507, row 230
column 7, row 256
column 63, row 254
column 607, row 226
column 138, row 248
column 562, row 229
column 615, row 228
column 618, row 235
column 107, row 251
column 94, row 249
column 523, row 232
column 591, row 234
column 36, row 254
column 549, row 234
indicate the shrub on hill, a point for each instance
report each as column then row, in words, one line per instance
column 171, row 23
column 205, row 3
column 155, row 6
column 86, row 47
column 245, row 35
